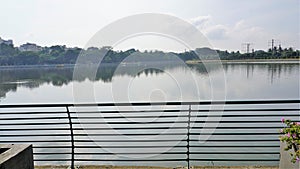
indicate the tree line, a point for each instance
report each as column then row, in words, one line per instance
column 10, row 55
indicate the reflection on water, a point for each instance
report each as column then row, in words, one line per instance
column 274, row 70
column 243, row 81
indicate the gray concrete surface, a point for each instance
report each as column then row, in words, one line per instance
column 16, row 156
column 285, row 159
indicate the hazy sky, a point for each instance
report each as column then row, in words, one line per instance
column 226, row 23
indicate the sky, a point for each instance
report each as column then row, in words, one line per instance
column 227, row 24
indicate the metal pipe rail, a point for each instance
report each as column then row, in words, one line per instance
column 159, row 133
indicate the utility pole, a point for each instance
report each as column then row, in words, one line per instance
column 246, row 47
column 273, row 43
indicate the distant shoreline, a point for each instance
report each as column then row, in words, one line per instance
column 187, row 62
column 242, row 61
column 37, row 66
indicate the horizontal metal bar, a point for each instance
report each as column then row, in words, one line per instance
column 208, row 140
column 247, row 109
column 185, row 110
column 48, row 159
column 133, row 134
column 175, row 122
column 256, row 133
column 34, row 141
column 177, row 153
column 180, row 116
column 56, row 146
column 217, row 128
column 199, row 103
column 235, row 140
column 132, row 153
column 183, row 134
column 143, row 128
column 182, row 140
column 51, row 153
column 141, row 117
column 30, row 123
column 157, row 116
column 250, row 115
column 34, row 105
column 124, row 160
column 159, row 122
column 32, row 135
column 152, row 146
column 155, row 160
column 56, row 123
column 130, row 111
column 151, row 111
column 162, row 146
column 245, row 152
column 131, row 160
column 156, row 103
column 133, row 140
column 129, row 122
column 33, row 118
column 154, row 122
column 127, row 128
column 27, row 112
column 92, row 134
column 238, row 121
column 235, row 159
column 235, row 146
column 151, row 122
column 180, row 146
column 130, row 117
column 33, row 129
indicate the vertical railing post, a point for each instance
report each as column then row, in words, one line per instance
column 188, row 136
column 72, row 137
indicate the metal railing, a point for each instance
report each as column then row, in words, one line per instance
column 159, row 133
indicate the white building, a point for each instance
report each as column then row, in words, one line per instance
column 7, row 42
column 30, row 47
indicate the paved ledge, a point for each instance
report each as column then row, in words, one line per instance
column 146, row 167
column 16, row 156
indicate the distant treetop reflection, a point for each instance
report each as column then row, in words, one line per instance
column 33, row 77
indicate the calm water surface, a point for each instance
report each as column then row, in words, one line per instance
column 243, row 81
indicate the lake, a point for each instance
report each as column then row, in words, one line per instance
column 243, row 81
column 155, row 82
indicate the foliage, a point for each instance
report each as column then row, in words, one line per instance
column 10, row 55
column 292, row 138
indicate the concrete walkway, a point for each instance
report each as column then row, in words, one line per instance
column 144, row 167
